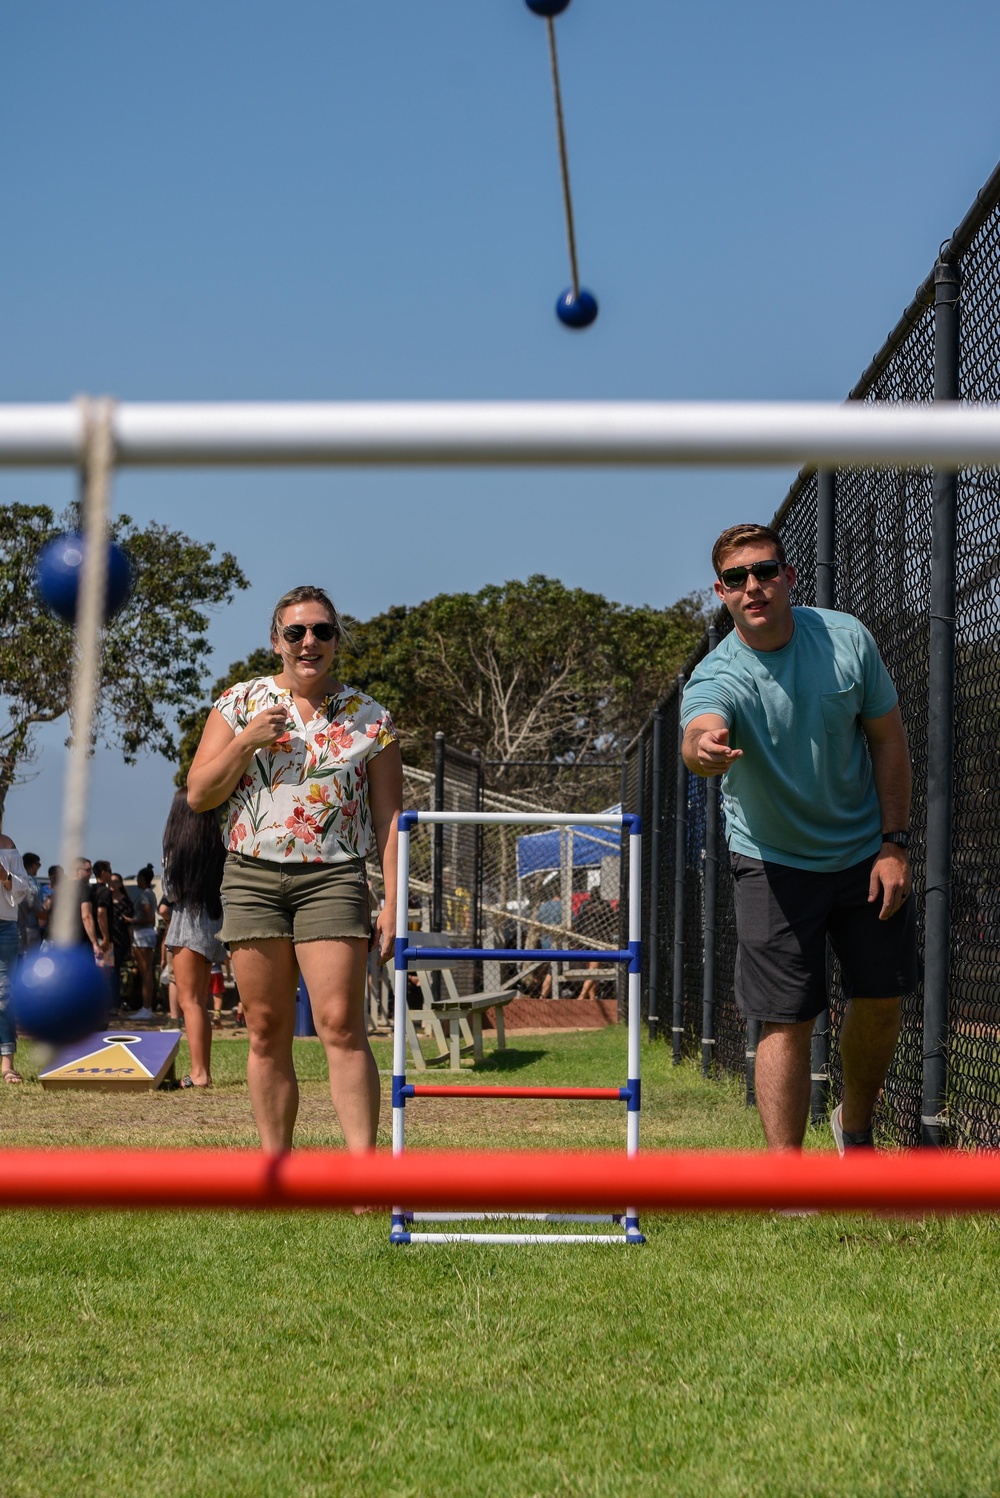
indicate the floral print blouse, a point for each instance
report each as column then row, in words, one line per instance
column 305, row 797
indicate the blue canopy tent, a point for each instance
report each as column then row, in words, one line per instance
column 571, row 847
column 563, row 849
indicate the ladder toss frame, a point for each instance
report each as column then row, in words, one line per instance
column 403, row 1091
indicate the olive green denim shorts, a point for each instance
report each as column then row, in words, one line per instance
column 299, row 901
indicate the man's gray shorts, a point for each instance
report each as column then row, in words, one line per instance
column 783, row 917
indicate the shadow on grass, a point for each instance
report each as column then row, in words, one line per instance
column 508, row 1061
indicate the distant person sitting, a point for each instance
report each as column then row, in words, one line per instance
column 549, row 913
column 595, row 921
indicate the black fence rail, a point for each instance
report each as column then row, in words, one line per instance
column 916, row 556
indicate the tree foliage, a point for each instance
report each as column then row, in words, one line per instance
column 154, row 651
column 521, row 671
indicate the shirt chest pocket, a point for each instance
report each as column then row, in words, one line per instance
column 840, row 710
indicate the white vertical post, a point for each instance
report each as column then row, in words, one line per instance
column 634, row 999
column 634, row 979
column 399, row 987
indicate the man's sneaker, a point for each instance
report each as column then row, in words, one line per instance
column 845, row 1141
column 142, row 1014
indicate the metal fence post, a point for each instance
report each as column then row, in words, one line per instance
column 753, row 1039
column 826, row 598
column 940, row 725
column 656, row 812
column 710, row 901
column 680, row 850
column 826, row 538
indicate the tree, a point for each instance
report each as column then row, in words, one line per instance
column 153, row 651
column 524, row 671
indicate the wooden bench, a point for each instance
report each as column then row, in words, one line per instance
column 463, row 1013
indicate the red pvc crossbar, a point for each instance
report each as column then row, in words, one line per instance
column 942, row 1181
column 611, row 1093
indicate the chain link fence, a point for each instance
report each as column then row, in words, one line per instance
column 522, row 887
column 883, row 562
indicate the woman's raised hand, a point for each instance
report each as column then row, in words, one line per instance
column 267, row 727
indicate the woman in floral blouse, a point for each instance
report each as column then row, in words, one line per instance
column 311, row 776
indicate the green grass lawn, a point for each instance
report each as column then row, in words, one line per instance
column 224, row 1353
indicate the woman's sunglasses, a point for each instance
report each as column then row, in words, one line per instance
column 736, row 577
column 293, row 634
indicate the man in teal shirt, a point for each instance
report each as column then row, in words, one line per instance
column 796, row 711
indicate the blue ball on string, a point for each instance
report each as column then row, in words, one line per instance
column 576, row 311
column 547, row 7
column 59, row 570
column 59, row 995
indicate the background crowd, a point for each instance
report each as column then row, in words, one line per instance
column 125, row 919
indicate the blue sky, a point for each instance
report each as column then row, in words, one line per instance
column 323, row 200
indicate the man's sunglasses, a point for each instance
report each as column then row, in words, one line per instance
column 293, row 634
column 764, row 572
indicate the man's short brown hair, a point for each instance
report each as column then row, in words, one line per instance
column 746, row 535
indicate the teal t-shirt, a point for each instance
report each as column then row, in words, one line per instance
column 803, row 793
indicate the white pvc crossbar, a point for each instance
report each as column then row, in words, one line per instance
column 521, row 818
column 553, row 1217
column 519, row 1239
column 512, row 432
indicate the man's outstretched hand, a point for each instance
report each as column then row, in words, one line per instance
column 712, row 751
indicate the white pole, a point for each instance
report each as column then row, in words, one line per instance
column 519, row 1240
column 525, row 818
column 514, row 432
column 634, row 995
column 634, row 979
column 399, row 986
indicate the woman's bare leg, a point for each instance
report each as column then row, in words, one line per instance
column 266, row 975
column 191, row 974
column 334, row 973
column 143, row 958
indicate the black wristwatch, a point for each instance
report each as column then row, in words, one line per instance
column 901, row 839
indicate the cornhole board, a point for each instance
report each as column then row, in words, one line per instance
column 115, row 1061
